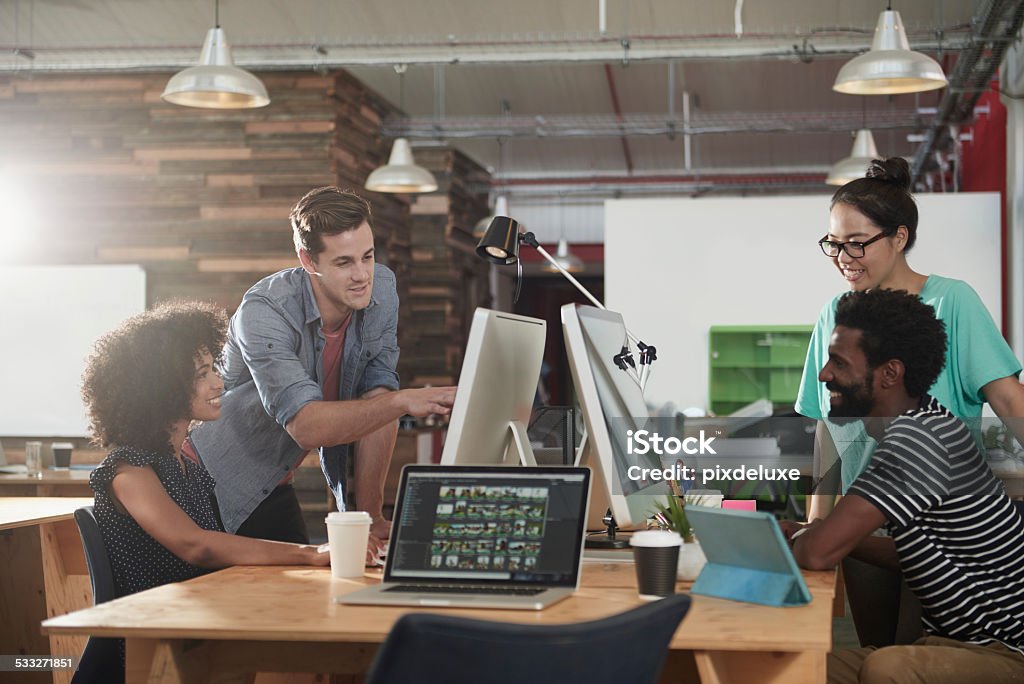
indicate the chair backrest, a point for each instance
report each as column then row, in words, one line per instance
column 100, row 573
column 628, row 647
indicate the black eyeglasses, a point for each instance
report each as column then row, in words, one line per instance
column 855, row 250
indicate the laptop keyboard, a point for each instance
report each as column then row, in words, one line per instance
column 464, row 589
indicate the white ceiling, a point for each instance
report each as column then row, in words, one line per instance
column 552, row 65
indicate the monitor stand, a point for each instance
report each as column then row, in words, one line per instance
column 608, row 540
column 519, row 445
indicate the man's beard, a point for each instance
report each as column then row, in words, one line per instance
column 857, row 399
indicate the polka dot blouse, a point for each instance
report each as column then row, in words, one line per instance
column 138, row 561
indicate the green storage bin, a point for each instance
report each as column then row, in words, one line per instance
column 747, row 363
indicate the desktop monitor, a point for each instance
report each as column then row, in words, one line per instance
column 497, row 387
column 612, row 402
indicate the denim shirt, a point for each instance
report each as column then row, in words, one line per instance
column 272, row 367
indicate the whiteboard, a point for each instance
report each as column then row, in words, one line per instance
column 50, row 316
column 675, row 267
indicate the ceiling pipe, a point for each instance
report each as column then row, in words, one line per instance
column 604, row 187
column 568, row 48
column 661, row 178
column 996, row 24
column 688, row 136
column 618, row 125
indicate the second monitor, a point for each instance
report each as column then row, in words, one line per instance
column 497, row 387
column 612, row 403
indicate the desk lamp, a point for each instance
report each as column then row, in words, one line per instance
column 500, row 244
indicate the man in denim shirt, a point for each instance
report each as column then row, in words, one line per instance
column 310, row 362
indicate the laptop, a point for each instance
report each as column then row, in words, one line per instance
column 5, row 468
column 483, row 537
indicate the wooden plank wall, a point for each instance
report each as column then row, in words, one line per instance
column 198, row 197
column 357, row 148
column 448, row 280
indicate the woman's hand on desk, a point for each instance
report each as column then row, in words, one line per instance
column 319, row 555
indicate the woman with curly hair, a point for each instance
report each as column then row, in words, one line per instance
column 143, row 385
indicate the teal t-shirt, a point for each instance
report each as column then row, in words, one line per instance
column 976, row 354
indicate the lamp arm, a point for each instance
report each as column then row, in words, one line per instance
column 568, row 276
column 647, row 353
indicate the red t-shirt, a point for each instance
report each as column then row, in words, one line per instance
column 330, row 361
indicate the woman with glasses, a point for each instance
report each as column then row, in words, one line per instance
column 872, row 226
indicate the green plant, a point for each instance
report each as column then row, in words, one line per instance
column 672, row 516
column 998, row 437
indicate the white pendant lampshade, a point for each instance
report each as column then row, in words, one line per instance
column 216, row 83
column 500, row 209
column 856, row 165
column 566, row 259
column 890, row 66
column 401, row 174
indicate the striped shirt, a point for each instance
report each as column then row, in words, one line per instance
column 959, row 538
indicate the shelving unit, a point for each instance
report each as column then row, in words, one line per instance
column 751, row 362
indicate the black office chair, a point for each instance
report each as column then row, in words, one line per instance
column 101, row 660
column 439, row 649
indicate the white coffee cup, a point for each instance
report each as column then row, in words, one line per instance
column 347, row 534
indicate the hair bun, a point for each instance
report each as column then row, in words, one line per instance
column 893, row 170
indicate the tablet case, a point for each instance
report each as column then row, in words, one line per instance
column 748, row 558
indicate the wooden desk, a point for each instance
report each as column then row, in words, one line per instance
column 48, row 483
column 277, row 619
column 44, row 575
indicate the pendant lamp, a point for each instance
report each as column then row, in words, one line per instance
column 500, row 209
column 566, row 259
column 216, row 83
column 890, row 66
column 856, row 165
column 401, row 173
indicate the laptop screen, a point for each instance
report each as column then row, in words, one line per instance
column 493, row 524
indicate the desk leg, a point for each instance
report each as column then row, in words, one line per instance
column 172, row 661
column 723, row 667
column 22, row 598
column 66, row 577
column 839, row 597
column 138, row 660
column 187, row 662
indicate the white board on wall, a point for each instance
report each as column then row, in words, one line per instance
column 50, row 316
column 676, row 267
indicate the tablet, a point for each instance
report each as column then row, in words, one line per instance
column 748, row 558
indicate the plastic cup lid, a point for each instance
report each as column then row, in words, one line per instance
column 348, row 517
column 648, row 538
